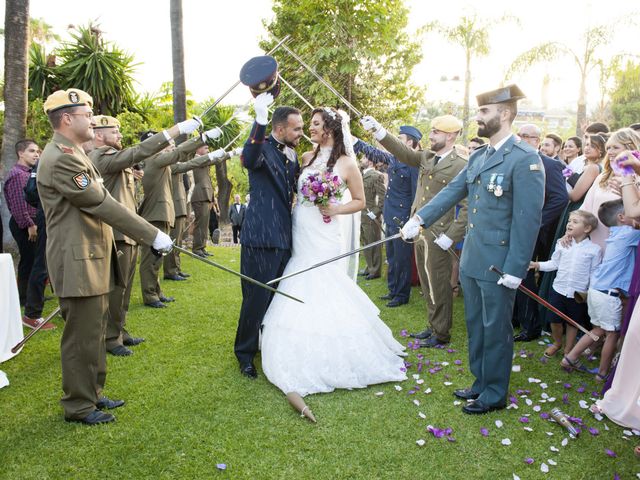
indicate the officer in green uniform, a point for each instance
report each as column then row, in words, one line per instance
column 370, row 227
column 504, row 185
column 81, row 252
column 157, row 207
column 114, row 164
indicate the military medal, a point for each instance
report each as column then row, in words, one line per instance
column 492, row 183
column 497, row 190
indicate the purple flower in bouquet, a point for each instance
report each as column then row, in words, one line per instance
column 624, row 170
column 567, row 172
column 322, row 189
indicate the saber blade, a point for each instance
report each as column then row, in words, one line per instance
column 237, row 274
column 330, row 260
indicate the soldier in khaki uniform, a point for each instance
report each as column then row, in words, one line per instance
column 81, row 252
column 172, row 270
column 201, row 199
column 157, row 208
column 114, row 164
column 370, row 227
column 438, row 167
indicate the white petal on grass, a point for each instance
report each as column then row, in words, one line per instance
column 422, row 415
column 397, row 387
column 565, row 442
column 544, row 468
column 528, row 401
column 499, row 423
column 543, row 385
column 420, row 381
column 427, row 391
column 528, row 429
column 448, row 383
column 457, row 402
column 379, row 394
column 416, row 403
column 628, row 433
column 420, row 442
column 554, row 449
column 515, row 368
column 537, row 408
column 516, row 477
column 506, row 442
column 552, row 462
column 416, row 376
column 583, row 404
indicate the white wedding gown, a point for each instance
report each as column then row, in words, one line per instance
column 335, row 339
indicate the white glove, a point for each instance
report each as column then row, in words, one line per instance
column 372, row 125
column 189, row 126
column 236, row 152
column 261, row 106
column 443, row 242
column 411, row 229
column 509, row 281
column 371, row 215
column 216, row 154
column 163, row 242
column 213, row 133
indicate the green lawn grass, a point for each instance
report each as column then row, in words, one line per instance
column 188, row 409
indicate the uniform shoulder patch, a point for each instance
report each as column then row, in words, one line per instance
column 81, row 180
column 65, row 149
column 534, row 167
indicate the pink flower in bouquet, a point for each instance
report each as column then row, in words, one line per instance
column 321, row 189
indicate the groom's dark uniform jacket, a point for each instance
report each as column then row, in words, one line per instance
column 266, row 231
column 273, row 168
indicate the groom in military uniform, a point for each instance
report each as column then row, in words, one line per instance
column 504, row 186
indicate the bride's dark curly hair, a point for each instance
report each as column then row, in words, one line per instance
column 332, row 126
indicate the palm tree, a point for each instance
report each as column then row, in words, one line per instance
column 472, row 34
column 41, row 32
column 16, row 29
column 584, row 57
column 99, row 68
column 177, row 60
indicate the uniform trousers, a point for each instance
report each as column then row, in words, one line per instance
column 172, row 259
column 262, row 264
column 82, row 353
column 488, row 309
column 119, row 296
column 201, row 212
column 149, row 268
column 435, row 280
column 369, row 233
column 399, row 270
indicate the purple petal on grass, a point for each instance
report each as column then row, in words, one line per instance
column 451, row 350
column 616, row 476
column 410, row 344
column 221, row 466
column 403, row 333
column 450, row 438
column 419, row 367
column 544, row 415
column 437, row 432
column 419, row 356
column 565, row 399
column 594, row 431
column 595, row 394
column 528, row 460
column 457, row 362
column 448, row 431
column 576, row 420
column 484, row 432
column 403, row 369
column 567, row 385
column 411, row 392
column 580, row 389
column 513, row 399
column 544, row 360
column 523, row 419
column 611, row 453
column 522, row 391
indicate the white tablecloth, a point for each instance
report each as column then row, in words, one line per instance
column 10, row 316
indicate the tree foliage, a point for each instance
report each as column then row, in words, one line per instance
column 359, row 46
column 100, row 68
column 625, row 97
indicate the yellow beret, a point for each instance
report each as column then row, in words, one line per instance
column 105, row 121
column 67, row 98
column 447, row 123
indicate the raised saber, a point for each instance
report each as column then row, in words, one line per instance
column 548, row 306
column 20, row 344
column 330, row 260
column 219, row 99
column 237, row 274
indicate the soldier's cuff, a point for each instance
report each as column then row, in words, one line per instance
column 166, row 135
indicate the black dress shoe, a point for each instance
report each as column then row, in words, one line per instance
column 524, row 337
column 372, row 277
column 432, row 342
column 466, row 394
column 363, row 273
column 386, row 297
column 396, row 303
column 200, row 253
column 249, row 371
column 120, row 351
column 478, row 408
column 178, row 278
column 167, row 299
column 107, row 403
column 94, row 418
column 185, row 275
column 207, row 254
column 132, row 341
column 156, row 304
column 423, row 335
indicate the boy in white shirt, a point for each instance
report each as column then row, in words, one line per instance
column 574, row 265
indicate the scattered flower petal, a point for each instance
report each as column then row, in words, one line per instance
column 397, row 387
column 611, row 453
column 416, row 403
column 457, row 362
column 594, row 431
column 565, row 442
column 457, row 402
column 523, row 419
column 554, row 449
column 628, row 433
column 448, row 383
column 543, row 415
column 567, row 385
column 499, row 423
column 450, row 438
column 422, row 415
column 528, row 429
column 427, row 391
column 403, row 333
column 528, row 460
column 221, row 466
column 516, row 477
column 379, row 394
column 420, row 381
column 580, row 389
column 505, row 441
column 537, row 408
column 528, row 401
column 420, row 442
column 515, row 368
column 552, row 462
column 549, row 433
column 583, row 404
column 565, row 399
column 543, row 385
column 544, row 468
column 484, row 432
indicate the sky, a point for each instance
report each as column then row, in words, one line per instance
column 220, row 36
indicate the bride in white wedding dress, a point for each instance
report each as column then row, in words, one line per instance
column 336, row 338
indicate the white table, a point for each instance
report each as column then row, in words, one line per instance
column 10, row 316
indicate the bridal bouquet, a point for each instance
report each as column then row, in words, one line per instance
column 321, row 189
